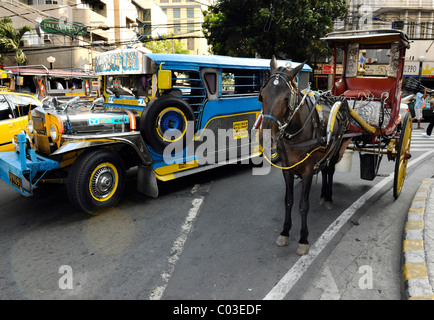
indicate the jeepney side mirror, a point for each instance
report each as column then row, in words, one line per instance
column 164, row 79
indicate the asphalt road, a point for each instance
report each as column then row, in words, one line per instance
column 208, row 236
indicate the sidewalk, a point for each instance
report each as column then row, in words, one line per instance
column 418, row 245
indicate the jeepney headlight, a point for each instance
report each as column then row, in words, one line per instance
column 54, row 133
column 30, row 126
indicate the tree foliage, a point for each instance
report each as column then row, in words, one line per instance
column 11, row 39
column 286, row 28
column 166, row 45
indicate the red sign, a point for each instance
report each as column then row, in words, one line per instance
column 326, row 68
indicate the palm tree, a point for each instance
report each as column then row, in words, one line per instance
column 10, row 39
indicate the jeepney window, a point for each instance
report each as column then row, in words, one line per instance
column 5, row 110
column 5, row 83
column 186, row 82
column 57, row 84
column 143, row 85
column 25, row 85
column 240, row 82
column 137, row 85
column 75, row 84
column 189, row 84
column 211, row 81
column 119, row 85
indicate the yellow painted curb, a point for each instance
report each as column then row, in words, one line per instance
column 415, row 270
column 420, row 198
column 424, row 297
column 414, row 225
column 413, row 245
column 416, row 211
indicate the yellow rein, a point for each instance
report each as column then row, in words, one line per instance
column 294, row 165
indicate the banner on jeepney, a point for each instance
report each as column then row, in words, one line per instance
column 125, row 61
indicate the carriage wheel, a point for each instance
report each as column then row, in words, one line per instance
column 402, row 155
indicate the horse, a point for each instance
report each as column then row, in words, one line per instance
column 298, row 130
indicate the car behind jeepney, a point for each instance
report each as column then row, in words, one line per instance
column 14, row 110
column 151, row 105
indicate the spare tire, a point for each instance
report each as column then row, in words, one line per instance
column 166, row 120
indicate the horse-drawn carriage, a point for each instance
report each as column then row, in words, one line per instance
column 371, row 82
column 362, row 112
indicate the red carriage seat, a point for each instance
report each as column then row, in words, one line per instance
column 379, row 88
column 357, row 86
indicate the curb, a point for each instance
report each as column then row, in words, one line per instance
column 417, row 258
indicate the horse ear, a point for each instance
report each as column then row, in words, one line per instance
column 273, row 64
column 297, row 69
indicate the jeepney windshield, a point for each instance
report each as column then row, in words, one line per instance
column 132, row 85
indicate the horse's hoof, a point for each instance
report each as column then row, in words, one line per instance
column 322, row 200
column 282, row 241
column 328, row 205
column 325, row 203
column 302, row 249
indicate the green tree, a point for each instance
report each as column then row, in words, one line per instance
column 169, row 44
column 290, row 28
column 11, row 39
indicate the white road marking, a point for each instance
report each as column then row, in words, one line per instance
column 328, row 285
column 282, row 288
column 178, row 246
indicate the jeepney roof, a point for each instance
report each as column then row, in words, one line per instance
column 42, row 70
column 171, row 60
column 375, row 36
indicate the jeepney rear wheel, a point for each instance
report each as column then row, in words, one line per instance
column 165, row 121
column 96, row 180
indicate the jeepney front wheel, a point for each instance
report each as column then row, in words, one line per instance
column 96, row 180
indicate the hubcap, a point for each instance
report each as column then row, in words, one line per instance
column 102, row 182
column 173, row 123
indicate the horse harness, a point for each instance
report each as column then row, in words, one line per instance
column 312, row 100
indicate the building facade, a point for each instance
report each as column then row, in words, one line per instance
column 184, row 20
column 74, row 31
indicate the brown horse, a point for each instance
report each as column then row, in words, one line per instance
column 298, row 129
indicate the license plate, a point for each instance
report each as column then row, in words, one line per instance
column 15, row 181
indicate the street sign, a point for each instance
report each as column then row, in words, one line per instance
column 62, row 26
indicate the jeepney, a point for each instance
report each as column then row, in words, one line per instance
column 162, row 113
column 63, row 84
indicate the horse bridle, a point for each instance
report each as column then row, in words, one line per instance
column 290, row 106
